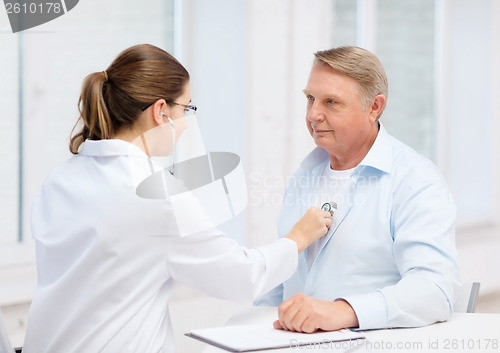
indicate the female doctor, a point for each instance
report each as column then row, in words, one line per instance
column 105, row 272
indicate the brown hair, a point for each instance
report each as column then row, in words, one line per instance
column 112, row 99
column 360, row 65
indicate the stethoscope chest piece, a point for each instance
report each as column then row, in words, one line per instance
column 329, row 207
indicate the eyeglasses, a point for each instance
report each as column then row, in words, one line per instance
column 188, row 109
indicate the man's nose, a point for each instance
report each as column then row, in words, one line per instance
column 314, row 113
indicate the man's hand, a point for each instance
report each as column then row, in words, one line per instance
column 303, row 313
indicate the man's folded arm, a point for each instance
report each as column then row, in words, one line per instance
column 425, row 253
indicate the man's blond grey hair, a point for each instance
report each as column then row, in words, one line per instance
column 362, row 66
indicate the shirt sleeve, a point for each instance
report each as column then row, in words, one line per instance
column 218, row 266
column 423, row 228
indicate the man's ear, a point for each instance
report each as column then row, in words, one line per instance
column 377, row 106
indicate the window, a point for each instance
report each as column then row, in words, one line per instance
column 344, row 23
column 402, row 34
column 405, row 44
column 436, row 104
column 42, row 72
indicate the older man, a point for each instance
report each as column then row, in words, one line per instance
column 389, row 259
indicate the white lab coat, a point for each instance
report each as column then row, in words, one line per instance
column 107, row 260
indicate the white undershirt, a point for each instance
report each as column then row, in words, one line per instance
column 332, row 187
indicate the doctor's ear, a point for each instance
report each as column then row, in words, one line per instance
column 158, row 111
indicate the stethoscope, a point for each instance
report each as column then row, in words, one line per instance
column 329, row 207
column 173, row 142
column 171, row 171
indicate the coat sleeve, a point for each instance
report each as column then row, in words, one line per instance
column 290, row 213
column 218, row 266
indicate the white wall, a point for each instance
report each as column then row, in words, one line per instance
column 214, row 52
column 474, row 122
column 9, row 140
column 472, row 108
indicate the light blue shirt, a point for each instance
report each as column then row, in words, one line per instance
column 390, row 251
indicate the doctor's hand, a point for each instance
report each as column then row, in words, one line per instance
column 302, row 313
column 312, row 226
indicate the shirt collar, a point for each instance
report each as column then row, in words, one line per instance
column 110, row 148
column 379, row 156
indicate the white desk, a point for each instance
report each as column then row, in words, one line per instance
column 462, row 333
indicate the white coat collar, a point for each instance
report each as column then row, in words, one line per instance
column 379, row 156
column 109, row 148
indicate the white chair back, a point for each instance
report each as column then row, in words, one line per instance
column 466, row 297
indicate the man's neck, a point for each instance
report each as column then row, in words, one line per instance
column 350, row 159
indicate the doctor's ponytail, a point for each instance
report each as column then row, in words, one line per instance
column 112, row 100
column 93, row 112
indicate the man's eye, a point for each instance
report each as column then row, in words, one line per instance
column 330, row 101
column 310, row 98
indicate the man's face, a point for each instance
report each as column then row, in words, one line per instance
column 335, row 115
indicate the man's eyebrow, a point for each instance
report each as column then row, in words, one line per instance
column 332, row 96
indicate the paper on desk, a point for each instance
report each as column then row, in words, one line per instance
column 247, row 338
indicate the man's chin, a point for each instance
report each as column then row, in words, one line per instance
column 323, row 142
